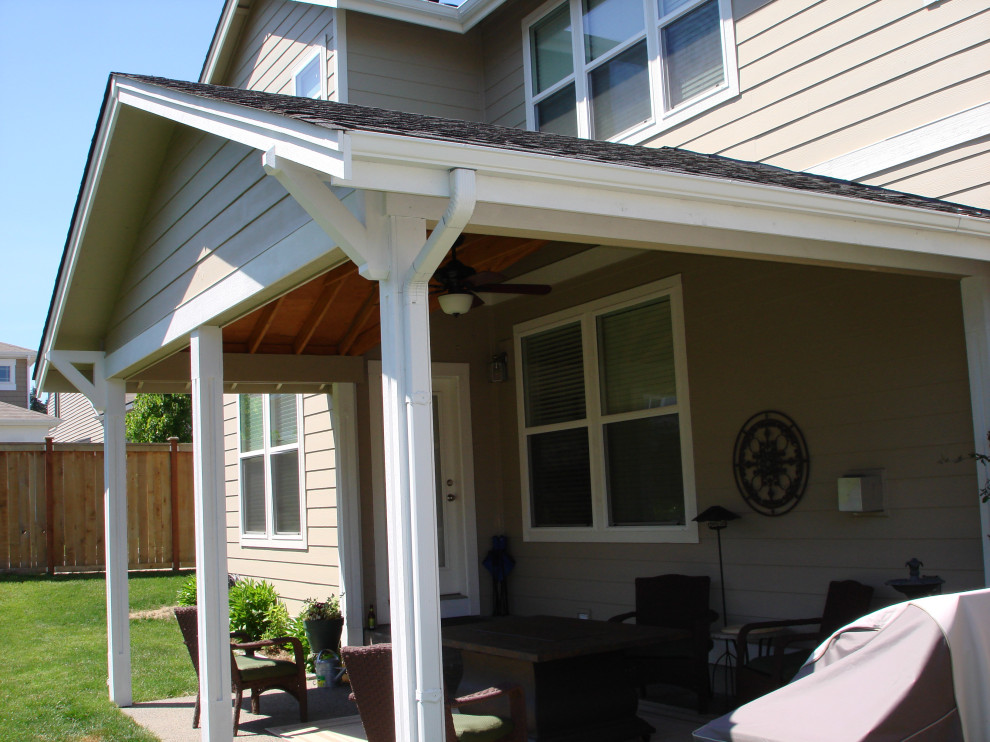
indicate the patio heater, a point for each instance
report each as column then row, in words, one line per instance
column 718, row 518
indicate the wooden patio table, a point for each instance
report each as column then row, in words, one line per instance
column 572, row 672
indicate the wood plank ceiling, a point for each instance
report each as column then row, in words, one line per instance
column 337, row 313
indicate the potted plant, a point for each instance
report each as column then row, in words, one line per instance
column 323, row 623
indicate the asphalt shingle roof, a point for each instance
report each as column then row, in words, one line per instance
column 361, row 118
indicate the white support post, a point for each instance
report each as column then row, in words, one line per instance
column 206, row 346
column 115, row 541
column 414, row 588
column 343, row 419
column 976, row 318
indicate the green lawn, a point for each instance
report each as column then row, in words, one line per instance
column 53, row 682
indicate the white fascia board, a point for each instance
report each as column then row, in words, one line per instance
column 411, row 165
column 420, row 12
column 77, row 231
column 923, row 141
column 435, row 15
column 230, row 11
column 315, row 147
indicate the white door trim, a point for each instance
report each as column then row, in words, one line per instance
column 472, row 604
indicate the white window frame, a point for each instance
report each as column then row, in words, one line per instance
column 601, row 530
column 321, row 68
column 270, row 539
column 661, row 119
column 10, row 363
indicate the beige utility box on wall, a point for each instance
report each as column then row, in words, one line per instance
column 861, row 493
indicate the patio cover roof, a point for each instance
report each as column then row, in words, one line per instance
column 621, row 193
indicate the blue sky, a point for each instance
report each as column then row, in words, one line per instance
column 55, row 57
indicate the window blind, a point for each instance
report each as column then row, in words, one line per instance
column 553, row 374
column 253, row 494
column 620, row 92
column 608, row 23
column 252, row 431
column 643, row 470
column 636, row 358
column 692, row 51
column 560, row 478
column 282, row 418
column 285, row 491
column 551, row 45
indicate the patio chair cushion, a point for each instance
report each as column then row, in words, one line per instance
column 471, row 728
column 256, row 668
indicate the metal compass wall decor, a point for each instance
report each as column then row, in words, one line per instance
column 771, row 463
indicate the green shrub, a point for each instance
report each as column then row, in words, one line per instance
column 250, row 604
column 255, row 607
column 187, row 591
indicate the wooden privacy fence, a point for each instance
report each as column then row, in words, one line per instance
column 51, row 506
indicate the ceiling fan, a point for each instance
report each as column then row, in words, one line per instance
column 459, row 285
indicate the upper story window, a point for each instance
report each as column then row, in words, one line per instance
column 272, row 491
column 8, row 378
column 307, row 82
column 626, row 69
column 605, row 434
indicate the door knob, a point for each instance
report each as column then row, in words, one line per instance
column 451, row 497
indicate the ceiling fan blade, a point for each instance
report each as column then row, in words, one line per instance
column 483, row 277
column 513, row 288
column 478, row 301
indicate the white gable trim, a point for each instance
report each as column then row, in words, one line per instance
column 434, row 15
column 901, row 149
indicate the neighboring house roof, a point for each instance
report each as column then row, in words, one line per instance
column 346, row 116
column 442, row 16
column 15, row 351
column 19, row 425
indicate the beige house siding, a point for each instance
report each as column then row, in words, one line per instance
column 413, row 68
column 822, row 79
column 815, row 343
column 817, row 80
column 19, row 395
column 184, row 247
column 297, row 574
column 80, row 423
column 279, row 36
column 960, row 174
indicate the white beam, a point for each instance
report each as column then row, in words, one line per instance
column 115, row 543
column 308, row 189
column 206, row 346
column 343, row 420
column 976, row 319
column 66, row 362
column 414, row 588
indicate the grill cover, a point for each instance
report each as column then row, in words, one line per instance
column 918, row 671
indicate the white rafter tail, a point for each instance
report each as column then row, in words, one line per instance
column 308, row 190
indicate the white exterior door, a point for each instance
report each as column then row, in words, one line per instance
column 453, row 466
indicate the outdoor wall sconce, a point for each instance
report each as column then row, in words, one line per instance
column 498, row 368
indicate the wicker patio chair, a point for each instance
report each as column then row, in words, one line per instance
column 248, row 672
column 370, row 673
column 845, row 602
column 674, row 602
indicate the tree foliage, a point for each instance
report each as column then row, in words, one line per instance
column 154, row 418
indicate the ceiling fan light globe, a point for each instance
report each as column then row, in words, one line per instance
column 455, row 304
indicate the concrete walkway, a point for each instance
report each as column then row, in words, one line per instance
column 171, row 719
